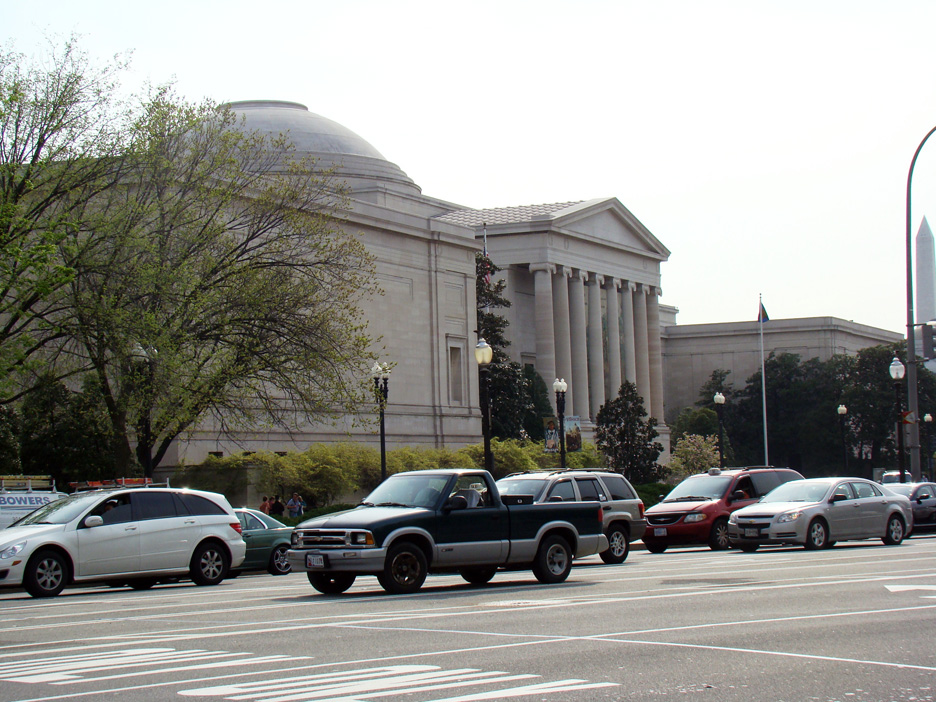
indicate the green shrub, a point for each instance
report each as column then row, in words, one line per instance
column 650, row 492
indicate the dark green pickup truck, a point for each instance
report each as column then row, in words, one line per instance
column 437, row 521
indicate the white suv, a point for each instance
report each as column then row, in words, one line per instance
column 623, row 510
column 124, row 536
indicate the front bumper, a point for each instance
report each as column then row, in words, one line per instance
column 679, row 533
column 751, row 532
column 343, row 560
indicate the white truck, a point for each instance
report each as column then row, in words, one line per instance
column 21, row 494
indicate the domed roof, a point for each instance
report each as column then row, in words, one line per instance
column 330, row 143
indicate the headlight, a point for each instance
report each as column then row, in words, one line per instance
column 11, row 551
column 789, row 516
column 693, row 517
column 294, row 538
column 362, row 538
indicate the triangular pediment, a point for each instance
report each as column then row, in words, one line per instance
column 608, row 221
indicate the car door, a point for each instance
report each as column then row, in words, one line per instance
column 258, row 538
column 476, row 534
column 167, row 533
column 112, row 547
column 924, row 505
column 872, row 509
column 842, row 513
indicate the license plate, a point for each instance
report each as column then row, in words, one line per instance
column 659, row 531
column 752, row 533
column 315, row 560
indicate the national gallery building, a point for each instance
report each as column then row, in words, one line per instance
column 583, row 277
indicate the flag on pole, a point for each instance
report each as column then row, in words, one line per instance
column 762, row 314
column 761, row 318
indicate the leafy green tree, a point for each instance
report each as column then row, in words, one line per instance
column 60, row 130
column 694, row 453
column 510, row 391
column 541, row 406
column 626, row 436
column 10, row 463
column 219, row 286
column 700, row 421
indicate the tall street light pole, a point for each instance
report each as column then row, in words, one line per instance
column 912, row 401
column 560, row 387
column 928, row 420
column 381, row 375
column 719, row 401
column 842, row 411
column 484, row 354
column 897, row 373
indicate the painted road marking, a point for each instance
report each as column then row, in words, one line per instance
column 390, row 681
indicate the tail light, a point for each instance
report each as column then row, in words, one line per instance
column 236, row 526
column 640, row 505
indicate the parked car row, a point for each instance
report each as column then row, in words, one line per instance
column 138, row 537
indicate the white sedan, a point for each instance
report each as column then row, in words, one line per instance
column 126, row 536
column 820, row 511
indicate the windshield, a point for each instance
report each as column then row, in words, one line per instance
column 700, row 487
column 522, row 486
column 408, row 491
column 61, row 511
column 797, row 491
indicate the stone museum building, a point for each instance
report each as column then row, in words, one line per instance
column 583, row 278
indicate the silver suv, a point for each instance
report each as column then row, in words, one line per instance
column 624, row 519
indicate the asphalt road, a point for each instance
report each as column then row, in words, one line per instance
column 857, row 622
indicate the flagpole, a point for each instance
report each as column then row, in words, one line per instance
column 763, row 375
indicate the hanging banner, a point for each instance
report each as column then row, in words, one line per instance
column 573, row 434
column 551, row 434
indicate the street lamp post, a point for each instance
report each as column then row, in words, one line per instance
column 483, row 355
column 928, row 419
column 897, row 371
column 560, row 387
column 719, row 401
column 381, row 375
column 842, row 411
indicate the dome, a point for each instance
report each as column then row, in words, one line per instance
column 330, row 143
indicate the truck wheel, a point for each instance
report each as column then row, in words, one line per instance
column 46, row 574
column 718, row 538
column 553, row 560
column 618, row 545
column 478, row 576
column 404, row 570
column 209, row 565
column 331, row 583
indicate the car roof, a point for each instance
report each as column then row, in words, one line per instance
column 545, row 473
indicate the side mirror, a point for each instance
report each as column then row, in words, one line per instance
column 738, row 495
column 458, row 502
column 838, row 498
column 94, row 520
column 555, row 498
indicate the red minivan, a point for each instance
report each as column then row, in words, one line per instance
column 696, row 511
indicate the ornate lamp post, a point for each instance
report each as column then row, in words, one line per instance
column 560, row 387
column 381, row 375
column 483, row 355
column 842, row 411
column 897, row 371
column 719, row 401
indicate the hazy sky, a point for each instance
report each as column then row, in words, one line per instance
column 766, row 144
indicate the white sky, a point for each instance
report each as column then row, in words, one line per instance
column 766, row 144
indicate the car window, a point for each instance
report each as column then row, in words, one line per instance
column 522, row 486
column 590, row 490
column 248, row 521
column 196, row 504
column 862, row 490
column 618, row 487
column 473, row 489
column 746, row 486
column 154, row 505
column 844, row 490
column 765, row 482
column 115, row 509
column 563, row 491
column 924, row 492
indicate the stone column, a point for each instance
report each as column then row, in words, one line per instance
column 655, row 353
column 614, row 338
column 560, row 294
column 641, row 347
column 579, row 382
column 545, row 332
column 596, row 376
column 630, row 352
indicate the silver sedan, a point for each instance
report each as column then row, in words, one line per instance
column 820, row 511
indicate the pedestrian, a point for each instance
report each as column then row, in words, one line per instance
column 296, row 505
column 276, row 507
column 265, row 505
